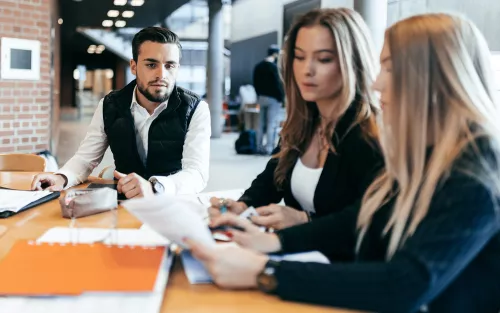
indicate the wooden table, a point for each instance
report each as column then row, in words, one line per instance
column 179, row 295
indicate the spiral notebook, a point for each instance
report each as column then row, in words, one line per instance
column 39, row 269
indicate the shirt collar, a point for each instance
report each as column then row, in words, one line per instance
column 134, row 99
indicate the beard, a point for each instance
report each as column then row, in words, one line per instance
column 155, row 96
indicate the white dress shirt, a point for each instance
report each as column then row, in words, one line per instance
column 191, row 179
column 303, row 184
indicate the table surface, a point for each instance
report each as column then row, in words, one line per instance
column 180, row 296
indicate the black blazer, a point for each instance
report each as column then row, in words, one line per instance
column 451, row 264
column 344, row 179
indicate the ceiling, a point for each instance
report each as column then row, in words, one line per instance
column 91, row 13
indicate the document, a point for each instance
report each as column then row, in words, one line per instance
column 15, row 200
column 175, row 218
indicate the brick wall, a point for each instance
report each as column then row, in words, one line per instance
column 25, row 106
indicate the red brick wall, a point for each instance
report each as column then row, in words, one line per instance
column 25, row 108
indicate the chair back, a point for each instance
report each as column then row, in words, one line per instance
column 21, row 163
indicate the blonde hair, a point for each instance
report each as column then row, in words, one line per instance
column 443, row 97
column 358, row 68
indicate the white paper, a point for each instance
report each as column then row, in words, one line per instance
column 121, row 236
column 175, row 218
column 15, row 200
column 204, row 198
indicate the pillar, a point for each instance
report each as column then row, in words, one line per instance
column 374, row 12
column 215, row 65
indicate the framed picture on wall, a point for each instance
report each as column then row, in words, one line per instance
column 20, row 59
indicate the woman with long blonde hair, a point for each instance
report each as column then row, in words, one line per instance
column 426, row 236
column 329, row 151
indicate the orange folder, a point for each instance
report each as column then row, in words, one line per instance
column 71, row 269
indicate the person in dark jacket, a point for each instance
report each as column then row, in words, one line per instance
column 158, row 132
column 329, row 151
column 426, row 235
column 269, row 89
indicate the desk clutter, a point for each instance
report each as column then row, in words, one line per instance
column 72, row 269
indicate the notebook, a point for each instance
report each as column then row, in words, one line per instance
column 109, row 302
column 15, row 201
column 39, row 268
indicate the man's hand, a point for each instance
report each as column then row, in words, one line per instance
column 133, row 185
column 50, row 182
column 279, row 216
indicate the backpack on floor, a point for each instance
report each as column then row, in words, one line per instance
column 246, row 143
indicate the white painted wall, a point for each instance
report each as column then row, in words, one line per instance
column 337, row 3
column 252, row 18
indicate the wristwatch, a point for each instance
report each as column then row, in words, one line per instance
column 266, row 280
column 157, row 186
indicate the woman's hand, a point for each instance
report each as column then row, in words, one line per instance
column 236, row 207
column 230, row 266
column 250, row 236
column 279, row 216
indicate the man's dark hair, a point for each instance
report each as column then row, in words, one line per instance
column 272, row 50
column 154, row 34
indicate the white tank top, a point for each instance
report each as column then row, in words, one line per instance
column 304, row 182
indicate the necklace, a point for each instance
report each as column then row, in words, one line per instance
column 323, row 143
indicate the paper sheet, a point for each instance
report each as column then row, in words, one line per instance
column 175, row 218
column 15, row 200
column 122, row 236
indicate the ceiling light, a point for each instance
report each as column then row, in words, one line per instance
column 128, row 14
column 107, row 23
column 98, row 51
column 101, row 47
column 120, row 2
column 137, row 3
column 60, row 21
column 109, row 73
column 120, row 23
column 90, row 51
column 113, row 13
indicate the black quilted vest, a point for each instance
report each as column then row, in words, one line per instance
column 166, row 134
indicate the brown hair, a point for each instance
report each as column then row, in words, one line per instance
column 358, row 69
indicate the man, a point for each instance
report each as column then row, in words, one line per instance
column 159, row 133
column 268, row 86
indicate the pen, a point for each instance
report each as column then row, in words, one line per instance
column 225, row 228
column 223, row 208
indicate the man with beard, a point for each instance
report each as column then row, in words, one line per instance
column 159, row 133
